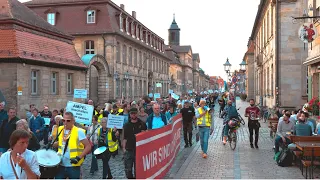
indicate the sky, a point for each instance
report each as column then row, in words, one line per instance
column 216, row 29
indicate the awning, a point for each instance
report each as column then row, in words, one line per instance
column 87, row 58
column 312, row 60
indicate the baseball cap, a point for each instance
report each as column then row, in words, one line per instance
column 133, row 110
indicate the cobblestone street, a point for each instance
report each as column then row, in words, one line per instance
column 243, row 163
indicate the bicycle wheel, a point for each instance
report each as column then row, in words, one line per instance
column 233, row 140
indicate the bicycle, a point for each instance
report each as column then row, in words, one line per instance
column 232, row 134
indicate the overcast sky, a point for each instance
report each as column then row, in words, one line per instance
column 216, row 29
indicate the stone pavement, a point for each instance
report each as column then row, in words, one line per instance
column 242, row 163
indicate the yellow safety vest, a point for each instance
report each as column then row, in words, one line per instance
column 204, row 120
column 112, row 145
column 100, row 117
column 119, row 111
column 75, row 148
column 54, row 132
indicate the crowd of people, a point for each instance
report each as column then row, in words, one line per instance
column 72, row 141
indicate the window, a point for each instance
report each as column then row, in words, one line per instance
column 145, row 87
column 272, row 89
column 69, row 83
column 173, row 34
column 89, row 47
column 140, row 88
column 34, row 82
column 118, row 52
column 91, row 16
column 135, row 88
column 130, row 87
column 145, row 61
column 135, row 56
column 51, row 18
column 117, row 87
column 149, row 64
column 124, row 88
column 124, row 54
column 54, row 77
column 130, row 55
column 140, row 59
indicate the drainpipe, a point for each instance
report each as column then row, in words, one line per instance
column 104, row 46
column 277, row 49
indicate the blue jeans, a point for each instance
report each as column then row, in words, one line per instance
column 68, row 172
column 226, row 130
column 3, row 150
column 204, row 137
column 279, row 140
column 94, row 161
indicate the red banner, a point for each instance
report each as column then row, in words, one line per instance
column 157, row 149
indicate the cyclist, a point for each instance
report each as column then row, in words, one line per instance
column 252, row 113
column 231, row 112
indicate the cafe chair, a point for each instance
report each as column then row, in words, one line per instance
column 310, row 163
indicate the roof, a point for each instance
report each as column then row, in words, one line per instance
column 38, row 2
column 181, row 49
column 172, row 56
column 195, row 56
column 174, row 25
column 14, row 10
column 25, row 45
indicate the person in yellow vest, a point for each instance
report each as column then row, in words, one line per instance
column 54, row 131
column 73, row 146
column 205, row 124
column 108, row 137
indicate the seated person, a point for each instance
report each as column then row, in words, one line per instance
column 284, row 127
column 302, row 128
column 231, row 112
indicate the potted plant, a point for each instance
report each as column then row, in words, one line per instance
column 313, row 107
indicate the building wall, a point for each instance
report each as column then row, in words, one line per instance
column 290, row 60
column 19, row 75
column 250, row 76
column 176, row 71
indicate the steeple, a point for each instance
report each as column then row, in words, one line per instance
column 174, row 25
column 174, row 33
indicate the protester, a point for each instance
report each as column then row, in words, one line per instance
column 92, row 135
column 188, row 114
column 19, row 163
column 107, row 137
column 46, row 114
column 156, row 119
column 6, row 128
column 133, row 127
column 34, row 145
column 3, row 113
column 170, row 113
column 72, row 147
column 142, row 115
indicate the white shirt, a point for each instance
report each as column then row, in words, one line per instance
column 66, row 156
column 6, row 171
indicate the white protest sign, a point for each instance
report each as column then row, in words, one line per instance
column 115, row 121
column 174, row 96
column 80, row 93
column 81, row 112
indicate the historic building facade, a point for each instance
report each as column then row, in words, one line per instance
column 38, row 62
column 126, row 60
column 312, row 62
column 249, row 77
column 279, row 76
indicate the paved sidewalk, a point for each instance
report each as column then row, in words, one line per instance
column 243, row 163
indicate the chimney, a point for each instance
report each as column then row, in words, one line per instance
column 134, row 14
column 122, row 6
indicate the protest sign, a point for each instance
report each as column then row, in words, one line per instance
column 115, row 121
column 150, row 95
column 157, row 149
column 174, row 96
column 80, row 93
column 81, row 112
column 46, row 121
column 170, row 91
column 156, row 96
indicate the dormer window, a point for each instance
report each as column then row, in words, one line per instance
column 51, row 18
column 91, row 16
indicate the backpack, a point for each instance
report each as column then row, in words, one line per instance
column 284, row 158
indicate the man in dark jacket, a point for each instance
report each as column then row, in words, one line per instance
column 6, row 128
column 3, row 113
column 46, row 114
column 156, row 119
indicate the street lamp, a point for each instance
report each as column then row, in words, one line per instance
column 227, row 66
column 243, row 66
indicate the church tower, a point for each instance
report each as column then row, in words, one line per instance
column 174, row 33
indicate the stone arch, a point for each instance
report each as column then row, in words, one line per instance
column 98, row 91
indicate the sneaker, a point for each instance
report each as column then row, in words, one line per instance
column 204, row 156
column 256, row 145
column 185, row 146
column 251, row 145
